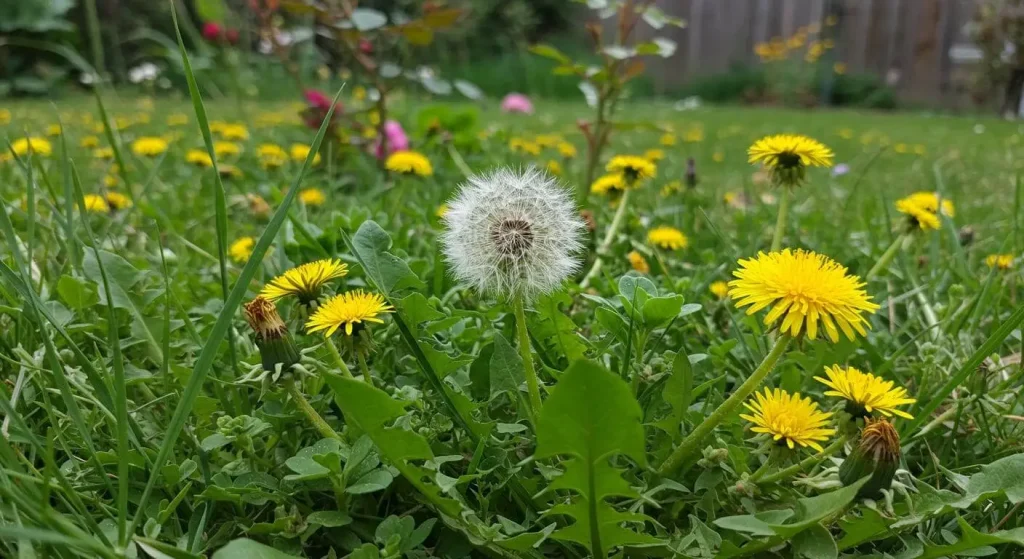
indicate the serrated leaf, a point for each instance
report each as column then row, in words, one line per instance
column 590, row 417
column 678, row 393
column 506, row 369
column 556, row 330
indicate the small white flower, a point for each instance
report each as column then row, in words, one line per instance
column 512, row 233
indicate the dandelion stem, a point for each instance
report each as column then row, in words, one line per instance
column 366, row 370
column 609, row 237
column 806, row 463
column 780, row 223
column 532, row 385
column 692, row 441
column 886, row 257
column 338, row 361
column 318, row 422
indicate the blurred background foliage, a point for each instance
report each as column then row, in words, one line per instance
column 47, row 49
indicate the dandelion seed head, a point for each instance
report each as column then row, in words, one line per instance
column 513, row 233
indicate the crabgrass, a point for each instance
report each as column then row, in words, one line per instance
column 123, row 358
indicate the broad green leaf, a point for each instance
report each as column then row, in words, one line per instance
column 590, row 417
column 506, row 370
column 373, row 412
column 658, row 311
column 244, row 548
column 211, row 10
column 548, row 51
column 77, row 292
column 815, row 543
column 387, row 270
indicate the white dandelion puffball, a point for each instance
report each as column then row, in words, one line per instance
column 513, row 233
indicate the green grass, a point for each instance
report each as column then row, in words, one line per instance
column 122, row 350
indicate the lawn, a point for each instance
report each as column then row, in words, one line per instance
column 140, row 412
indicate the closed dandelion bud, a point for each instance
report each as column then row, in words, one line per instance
column 966, row 236
column 877, row 454
column 691, row 173
column 272, row 338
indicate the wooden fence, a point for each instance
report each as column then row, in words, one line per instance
column 905, row 42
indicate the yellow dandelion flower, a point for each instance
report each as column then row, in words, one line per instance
column 806, row 288
column 638, row 262
column 441, row 211
column 110, row 181
column 922, row 208
column 633, row 167
column 103, row 153
column 5, row 116
column 519, row 145
column 54, row 130
column 89, row 142
column 608, row 183
column 694, row 135
column 670, row 188
column 839, row 68
column 567, row 150
column 271, row 155
column 241, row 250
column 554, row 167
column 224, row 149
column 199, row 158
column 655, row 154
column 719, row 289
column 96, row 203
column 547, row 140
column 667, row 140
column 349, row 309
column 149, row 146
column 299, row 152
column 36, row 145
column 865, row 392
column 229, row 171
column 312, row 197
column 177, row 119
column 409, row 163
column 788, row 155
column 788, row 418
column 1000, row 261
column 668, row 238
column 118, row 201
column 304, row 281
column 234, row 132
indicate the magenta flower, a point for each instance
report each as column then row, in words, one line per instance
column 317, row 99
column 212, row 31
column 396, row 138
column 517, row 103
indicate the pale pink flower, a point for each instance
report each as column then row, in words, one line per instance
column 517, row 103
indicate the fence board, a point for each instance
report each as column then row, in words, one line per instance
column 905, row 42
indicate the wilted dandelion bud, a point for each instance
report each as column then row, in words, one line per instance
column 272, row 338
column 691, row 173
column 513, row 233
column 876, row 454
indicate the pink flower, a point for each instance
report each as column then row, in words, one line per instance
column 317, row 99
column 396, row 138
column 212, row 31
column 232, row 36
column 517, row 103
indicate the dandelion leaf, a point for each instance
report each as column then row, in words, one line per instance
column 388, row 271
column 590, row 418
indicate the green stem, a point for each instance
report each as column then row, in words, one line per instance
column 780, row 223
column 95, row 37
column 609, row 238
column 887, row 257
column 692, row 441
column 338, row 361
column 773, row 455
column 806, row 463
column 318, row 422
column 366, row 370
column 459, row 161
column 523, row 339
